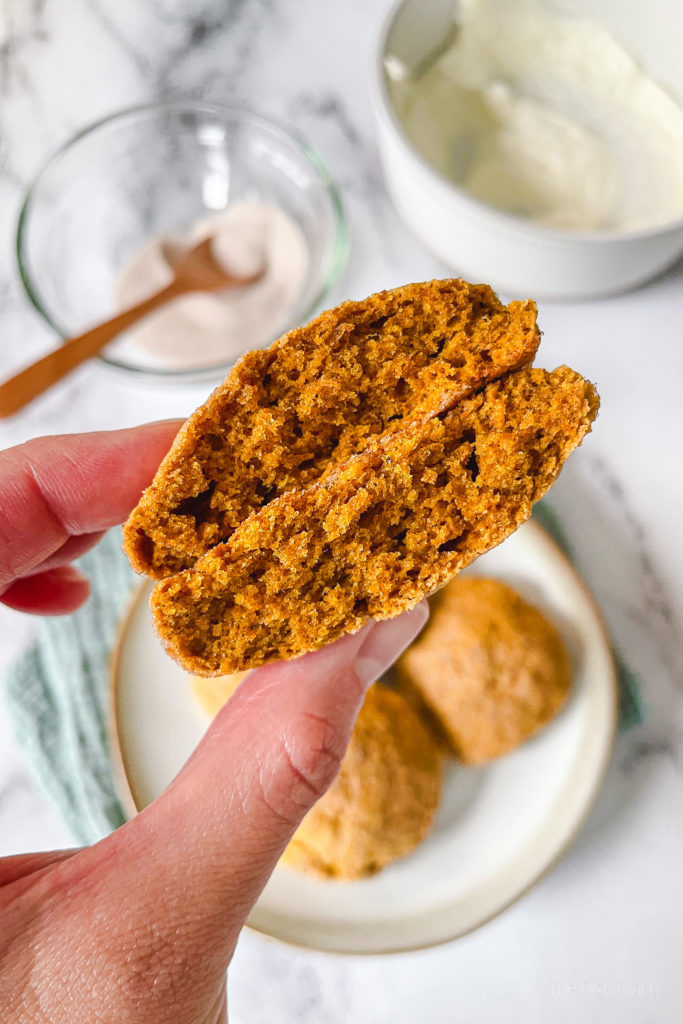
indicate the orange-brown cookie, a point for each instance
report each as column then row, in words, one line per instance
column 384, row 530
column 285, row 416
column 382, row 803
column 490, row 667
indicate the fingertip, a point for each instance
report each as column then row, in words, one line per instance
column 58, row 591
column 323, row 663
column 170, row 426
column 388, row 641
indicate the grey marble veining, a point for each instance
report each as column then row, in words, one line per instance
column 609, row 914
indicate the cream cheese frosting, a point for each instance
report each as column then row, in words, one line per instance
column 545, row 116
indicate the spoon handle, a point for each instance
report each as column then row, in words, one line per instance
column 26, row 385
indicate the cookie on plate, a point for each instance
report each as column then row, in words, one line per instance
column 490, row 667
column 383, row 802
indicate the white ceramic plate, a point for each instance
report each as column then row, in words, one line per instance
column 500, row 826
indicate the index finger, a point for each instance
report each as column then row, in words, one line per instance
column 58, row 487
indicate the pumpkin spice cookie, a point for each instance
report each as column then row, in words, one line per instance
column 286, row 416
column 384, row 799
column 383, row 802
column 384, row 530
column 489, row 666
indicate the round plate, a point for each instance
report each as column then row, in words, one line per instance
column 500, row 827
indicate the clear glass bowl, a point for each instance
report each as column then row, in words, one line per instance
column 158, row 170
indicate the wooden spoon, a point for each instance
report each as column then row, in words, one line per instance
column 195, row 271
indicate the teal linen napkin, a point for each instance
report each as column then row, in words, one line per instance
column 57, row 693
column 57, row 697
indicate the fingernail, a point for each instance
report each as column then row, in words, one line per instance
column 387, row 641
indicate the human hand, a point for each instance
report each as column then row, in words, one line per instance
column 142, row 926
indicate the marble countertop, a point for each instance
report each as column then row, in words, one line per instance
column 599, row 939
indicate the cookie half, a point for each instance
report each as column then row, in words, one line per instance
column 286, row 416
column 491, row 668
column 387, row 528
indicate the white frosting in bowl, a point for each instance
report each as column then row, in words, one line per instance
column 545, row 116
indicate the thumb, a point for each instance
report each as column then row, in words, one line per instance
column 149, row 917
column 207, row 846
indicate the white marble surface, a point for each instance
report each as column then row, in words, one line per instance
column 600, row 938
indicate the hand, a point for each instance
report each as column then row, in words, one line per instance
column 142, row 926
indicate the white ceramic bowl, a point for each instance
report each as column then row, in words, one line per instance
column 485, row 244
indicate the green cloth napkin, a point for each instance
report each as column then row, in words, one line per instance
column 57, row 697
column 57, row 693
